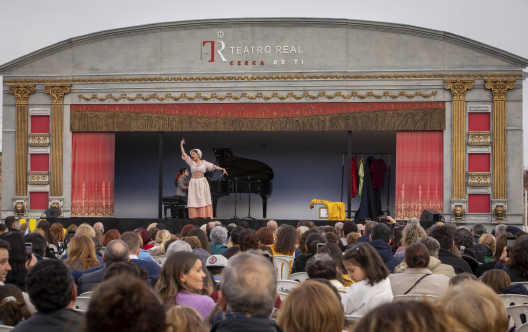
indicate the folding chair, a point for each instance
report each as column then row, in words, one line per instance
column 414, row 297
column 511, row 300
column 282, row 264
column 86, row 294
column 299, row 276
column 4, row 328
column 516, row 312
column 81, row 303
column 285, row 286
column 282, row 296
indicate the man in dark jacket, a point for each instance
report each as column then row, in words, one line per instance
column 116, row 251
column 465, row 243
column 247, row 295
column 379, row 239
column 52, row 290
column 134, row 246
column 445, row 236
column 10, row 222
column 368, row 230
column 477, row 230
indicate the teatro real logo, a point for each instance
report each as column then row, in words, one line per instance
column 285, row 54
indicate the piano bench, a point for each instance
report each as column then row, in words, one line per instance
column 175, row 210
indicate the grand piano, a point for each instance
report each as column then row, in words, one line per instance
column 244, row 176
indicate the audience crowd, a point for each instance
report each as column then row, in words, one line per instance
column 221, row 278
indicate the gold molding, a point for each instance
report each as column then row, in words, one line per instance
column 36, row 178
column 458, row 119
column 421, row 119
column 479, row 179
column 479, row 138
column 259, row 95
column 39, row 140
column 21, row 93
column 57, row 93
column 499, row 88
column 261, row 78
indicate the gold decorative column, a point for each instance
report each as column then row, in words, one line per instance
column 499, row 89
column 57, row 92
column 21, row 93
column 458, row 118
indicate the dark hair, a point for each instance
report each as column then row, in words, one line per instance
column 49, row 285
column 286, row 240
column 125, row 304
column 248, row 240
column 496, row 279
column 4, row 245
column 464, row 238
column 381, row 231
column 97, row 243
column 38, row 243
column 12, row 312
column 479, row 229
column 153, row 232
column 3, row 228
column 321, row 266
column 214, row 270
column 304, row 237
column 349, row 227
column 121, row 269
column 144, row 235
column 110, row 235
column 186, row 229
column 331, row 238
column 307, row 223
column 397, row 235
column 312, row 241
column 17, row 259
column 366, row 257
column 461, row 277
column 204, row 240
column 519, row 257
column 265, row 235
column 235, row 235
column 417, row 256
column 10, row 222
column 169, row 283
column 161, row 226
column 181, row 171
column 244, row 224
column 45, row 226
column 369, row 227
column 499, row 246
column 444, row 235
column 333, row 250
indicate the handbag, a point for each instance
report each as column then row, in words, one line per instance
column 416, row 283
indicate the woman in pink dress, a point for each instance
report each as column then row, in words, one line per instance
column 199, row 200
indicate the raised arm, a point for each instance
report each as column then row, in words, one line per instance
column 184, row 155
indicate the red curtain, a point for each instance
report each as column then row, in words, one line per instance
column 93, row 160
column 419, row 172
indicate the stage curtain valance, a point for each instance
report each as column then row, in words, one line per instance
column 93, row 159
column 411, row 116
column 419, row 173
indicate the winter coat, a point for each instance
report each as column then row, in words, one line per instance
column 433, row 284
column 460, row 265
column 385, row 252
column 435, row 266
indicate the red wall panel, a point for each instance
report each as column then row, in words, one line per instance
column 479, row 162
column 478, row 203
column 40, row 124
column 479, row 122
column 39, row 163
column 38, row 200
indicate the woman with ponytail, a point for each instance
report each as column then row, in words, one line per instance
column 13, row 308
column 418, row 279
column 182, row 182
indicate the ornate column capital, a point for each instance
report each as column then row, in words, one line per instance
column 500, row 88
column 458, row 88
column 57, row 92
column 22, row 92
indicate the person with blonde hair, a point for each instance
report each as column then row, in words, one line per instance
column 475, row 306
column 409, row 316
column 85, row 229
column 184, row 319
column 311, row 307
column 162, row 237
column 81, row 253
column 410, row 235
column 487, row 243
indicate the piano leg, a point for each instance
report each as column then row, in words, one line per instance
column 215, row 204
column 264, row 207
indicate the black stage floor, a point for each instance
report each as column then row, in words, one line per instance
column 173, row 225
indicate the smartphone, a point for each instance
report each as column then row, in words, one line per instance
column 29, row 250
column 320, row 246
column 510, row 241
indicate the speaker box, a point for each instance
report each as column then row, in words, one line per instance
column 429, row 218
column 52, row 213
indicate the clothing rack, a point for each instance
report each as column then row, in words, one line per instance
column 349, row 182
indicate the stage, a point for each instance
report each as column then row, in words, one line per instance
column 173, row 225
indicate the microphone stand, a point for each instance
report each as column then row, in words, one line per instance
column 249, row 201
column 236, row 192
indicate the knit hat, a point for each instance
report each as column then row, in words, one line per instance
column 216, row 261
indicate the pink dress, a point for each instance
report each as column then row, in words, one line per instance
column 199, row 194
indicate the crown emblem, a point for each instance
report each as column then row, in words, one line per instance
column 220, row 34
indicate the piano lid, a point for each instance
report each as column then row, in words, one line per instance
column 242, row 167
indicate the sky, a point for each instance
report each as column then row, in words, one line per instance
column 28, row 25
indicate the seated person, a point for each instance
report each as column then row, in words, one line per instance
column 38, row 244
column 133, row 242
column 216, row 264
column 52, row 290
column 500, row 282
column 13, row 308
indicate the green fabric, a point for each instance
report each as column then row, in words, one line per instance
column 361, row 173
column 487, row 259
column 217, row 249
